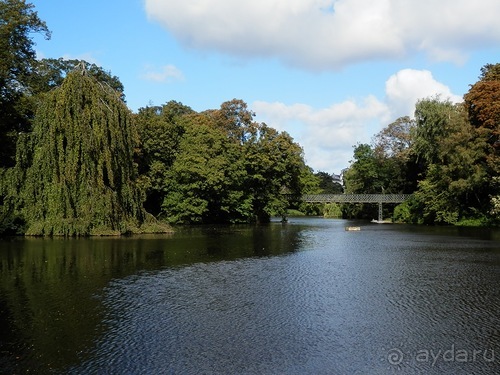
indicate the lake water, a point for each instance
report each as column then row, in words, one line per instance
column 306, row 297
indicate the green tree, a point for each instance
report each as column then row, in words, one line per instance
column 17, row 56
column 483, row 105
column 310, row 184
column 364, row 174
column 205, row 182
column 217, row 165
column 384, row 167
column 48, row 74
column 454, row 182
column 78, row 176
column 433, row 124
column 328, row 184
column 160, row 131
column 394, row 152
column 274, row 164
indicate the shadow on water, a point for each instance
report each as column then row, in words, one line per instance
column 50, row 306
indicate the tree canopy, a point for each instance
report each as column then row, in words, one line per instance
column 448, row 155
column 17, row 57
column 217, row 165
column 77, row 163
column 50, row 73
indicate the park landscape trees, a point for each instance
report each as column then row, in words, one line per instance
column 217, row 165
column 76, row 161
column 17, row 57
column 77, row 170
column 448, row 155
column 79, row 162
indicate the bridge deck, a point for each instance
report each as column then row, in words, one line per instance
column 355, row 198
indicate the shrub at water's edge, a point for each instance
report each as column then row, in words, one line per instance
column 332, row 210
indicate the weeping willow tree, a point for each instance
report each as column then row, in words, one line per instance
column 77, row 164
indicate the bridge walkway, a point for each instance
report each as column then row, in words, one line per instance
column 357, row 198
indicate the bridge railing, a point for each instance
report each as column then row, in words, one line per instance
column 355, row 198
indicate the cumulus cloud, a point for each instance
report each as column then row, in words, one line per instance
column 329, row 34
column 326, row 134
column 166, row 73
column 407, row 86
column 329, row 134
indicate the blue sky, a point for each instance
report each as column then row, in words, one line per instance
column 331, row 73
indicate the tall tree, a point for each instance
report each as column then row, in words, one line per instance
column 217, row 165
column 364, row 175
column 236, row 120
column 206, row 181
column 160, row 131
column 274, row 162
column 393, row 148
column 48, row 74
column 395, row 139
column 433, row 117
column 80, row 176
column 483, row 104
column 17, row 56
column 453, row 185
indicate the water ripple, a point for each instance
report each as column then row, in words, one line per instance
column 334, row 309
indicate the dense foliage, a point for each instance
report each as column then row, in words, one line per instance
column 77, row 170
column 76, row 161
column 448, row 155
column 17, row 21
column 48, row 74
column 216, row 166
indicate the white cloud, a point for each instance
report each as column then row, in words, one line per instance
column 329, row 134
column 329, row 34
column 166, row 73
column 407, row 86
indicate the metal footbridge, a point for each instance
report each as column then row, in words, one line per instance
column 357, row 198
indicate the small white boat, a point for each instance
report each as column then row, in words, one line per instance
column 352, row 228
column 381, row 221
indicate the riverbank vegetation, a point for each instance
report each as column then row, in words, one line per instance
column 448, row 155
column 76, row 161
column 217, row 165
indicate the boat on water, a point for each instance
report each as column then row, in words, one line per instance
column 381, row 221
column 352, row 228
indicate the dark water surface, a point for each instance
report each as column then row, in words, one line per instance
column 305, row 297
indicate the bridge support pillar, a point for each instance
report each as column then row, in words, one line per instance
column 380, row 212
